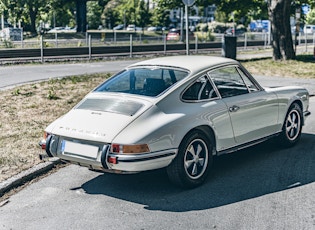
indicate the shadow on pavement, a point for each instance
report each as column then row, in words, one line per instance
column 244, row 175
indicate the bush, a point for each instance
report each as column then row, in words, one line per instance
column 8, row 44
column 205, row 36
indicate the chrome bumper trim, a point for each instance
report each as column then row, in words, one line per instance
column 143, row 157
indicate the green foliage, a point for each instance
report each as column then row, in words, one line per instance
column 16, row 92
column 111, row 15
column 52, row 94
column 170, row 4
column 205, row 36
column 203, row 27
column 161, row 16
column 143, row 14
column 221, row 16
column 32, row 13
column 8, row 44
column 94, row 13
column 310, row 18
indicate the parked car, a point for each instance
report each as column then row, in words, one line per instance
column 131, row 27
column 154, row 28
column 65, row 29
column 174, row 35
column 309, row 29
column 176, row 113
column 237, row 31
column 5, row 25
column 119, row 27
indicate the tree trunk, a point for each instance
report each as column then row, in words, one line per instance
column 282, row 43
column 33, row 14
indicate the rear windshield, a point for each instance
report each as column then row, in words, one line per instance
column 143, row 81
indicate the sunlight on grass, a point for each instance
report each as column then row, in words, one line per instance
column 303, row 67
column 26, row 110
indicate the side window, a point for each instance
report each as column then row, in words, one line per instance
column 228, row 82
column 201, row 89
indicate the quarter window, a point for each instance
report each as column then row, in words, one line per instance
column 201, row 89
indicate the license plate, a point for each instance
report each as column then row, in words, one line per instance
column 79, row 149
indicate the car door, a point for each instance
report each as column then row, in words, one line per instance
column 253, row 111
column 205, row 104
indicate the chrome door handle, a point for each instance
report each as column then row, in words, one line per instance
column 234, row 108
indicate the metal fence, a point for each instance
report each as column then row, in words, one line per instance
column 98, row 43
column 112, row 38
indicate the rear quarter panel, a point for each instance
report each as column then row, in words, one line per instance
column 165, row 124
column 287, row 95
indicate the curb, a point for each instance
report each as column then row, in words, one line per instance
column 27, row 175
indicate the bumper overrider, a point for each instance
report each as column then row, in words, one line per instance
column 98, row 156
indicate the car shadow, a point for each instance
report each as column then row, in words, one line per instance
column 254, row 172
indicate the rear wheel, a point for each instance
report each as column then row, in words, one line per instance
column 292, row 127
column 193, row 161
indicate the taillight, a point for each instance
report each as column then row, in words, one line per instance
column 130, row 149
column 43, row 142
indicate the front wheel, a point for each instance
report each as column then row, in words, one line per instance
column 194, row 159
column 292, row 127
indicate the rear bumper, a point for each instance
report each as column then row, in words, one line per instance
column 116, row 163
column 124, row 164
column 142, row 162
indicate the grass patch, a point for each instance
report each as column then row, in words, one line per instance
column 26, row 110
column 303, row 67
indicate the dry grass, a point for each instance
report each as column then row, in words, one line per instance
column 25, row 111
column 303, row 67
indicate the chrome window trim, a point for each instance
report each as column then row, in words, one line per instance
column 205, row 74
column 238, row 69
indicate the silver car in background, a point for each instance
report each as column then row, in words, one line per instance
column 175, row 113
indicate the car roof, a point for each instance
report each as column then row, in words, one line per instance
column 194, row 64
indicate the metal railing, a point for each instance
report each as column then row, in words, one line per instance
column 92, row 44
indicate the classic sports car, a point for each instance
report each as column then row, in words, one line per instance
column 175, row 112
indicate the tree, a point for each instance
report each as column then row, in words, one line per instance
column 279, row 12
column 94, row 12
column 279, row 16
column 127, row 12
column 144, row 16
column 62, row 13
column 310, row 17
column 31, row 10
column 110, row 14
column 160, row 16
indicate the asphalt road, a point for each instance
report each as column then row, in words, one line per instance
column 263, row 187
column 21, row 74
column 16, row 75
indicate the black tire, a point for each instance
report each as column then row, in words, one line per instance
column 292, row 126
column 194, row 159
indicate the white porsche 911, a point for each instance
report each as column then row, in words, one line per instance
column 175, row 113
